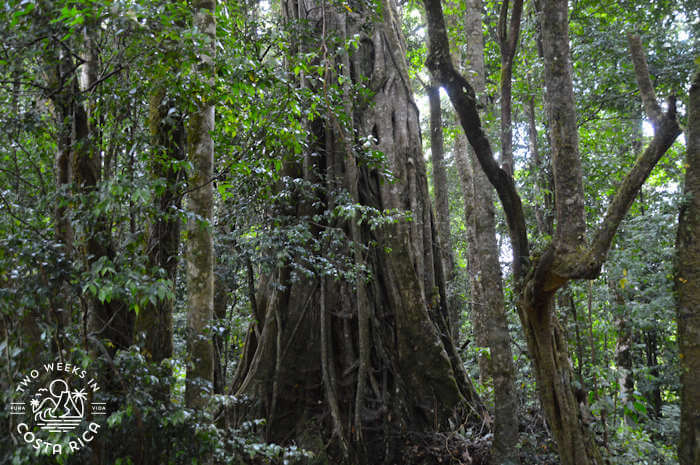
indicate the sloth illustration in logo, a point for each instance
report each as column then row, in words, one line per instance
column 61, row 404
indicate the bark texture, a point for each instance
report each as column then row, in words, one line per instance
column 154, row 323
column 485, row 270
column 473, row 191
column 442, row 206
column 366, row 366
column 437, row 153
column 688, row 288
column 563, row 131
column 478, row 311
column 200, row 246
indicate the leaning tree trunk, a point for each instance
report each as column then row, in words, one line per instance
column 370, row 363
column 688, row 288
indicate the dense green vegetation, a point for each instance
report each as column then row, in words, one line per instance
column 231, row 215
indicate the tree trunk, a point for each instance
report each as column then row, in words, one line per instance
column 154, row 323
column 485, row 270
column 508, row 41
column 623, row 350
column 579, row 342
column 442, row 205
column 545, row 338
column 219, row 339
column 61, row 86
column 652, row 358
column 478, row 309
column 368, row 365
column 63, row 101
column 200, row 245
column 473, row 195
column 688, row 288
column 549, row 352
column 108, row 319
column 561, row 114
column 542, row 182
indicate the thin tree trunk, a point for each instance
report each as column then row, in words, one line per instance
column 486, row 271
column 200, row 247
column 63, row 102
column 688, row 288
column 652, row 355
column 508, row 39
column 543, row 188
column 593, row 344
column 478, row 313
column 60, row 82
column 109, row 318
column 219, row 338
column 442, row 206
column 154, row 323
column 623, row 349
column 579, row 342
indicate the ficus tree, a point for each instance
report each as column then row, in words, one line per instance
column 360, row 360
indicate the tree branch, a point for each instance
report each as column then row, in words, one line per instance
column 641, row 71
column 463, row 99
column 508, row 40
column 563, row 131
column 502, row 20
column 666, row 132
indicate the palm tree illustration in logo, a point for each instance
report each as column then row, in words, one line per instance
column 61, row 409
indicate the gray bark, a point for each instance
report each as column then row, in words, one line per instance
column 508, row 35
column 200, row 248
column 478, row 311
column 486, row 270
column 442, row 206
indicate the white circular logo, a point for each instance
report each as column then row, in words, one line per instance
column 56, row 408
